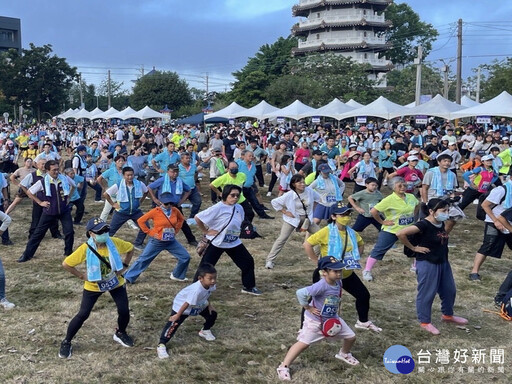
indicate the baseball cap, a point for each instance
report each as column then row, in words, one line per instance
column 165, row 198
column 329, row 262
column 317, row 152
column 324, row 168
column 487, row 157
column 81, row 148
column 339, row 209
column 95, row 224
column 412, row 158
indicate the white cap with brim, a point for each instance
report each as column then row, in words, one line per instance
column 487, row 157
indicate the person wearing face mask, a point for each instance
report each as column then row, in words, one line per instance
column 104, row 269
column 339, row 240
column 167, row 222
column 233, row 177
column 428, row 242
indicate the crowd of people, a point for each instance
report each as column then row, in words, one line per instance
column 411, row 183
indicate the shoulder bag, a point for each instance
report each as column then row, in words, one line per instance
column 204, row 243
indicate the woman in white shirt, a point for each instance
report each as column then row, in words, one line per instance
column 297, row 208
column 221, row 224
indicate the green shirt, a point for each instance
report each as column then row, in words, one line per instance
column 239, row 180
column 367, row 200
column 398, row 210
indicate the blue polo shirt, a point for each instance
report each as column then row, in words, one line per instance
column 249, row 173
column 165, row 158
column 158, row 184
column 112, row 176
column 188, row 175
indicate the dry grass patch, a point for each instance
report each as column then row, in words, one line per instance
column 253, row 333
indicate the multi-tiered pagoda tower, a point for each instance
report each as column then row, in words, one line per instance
column 347, row 27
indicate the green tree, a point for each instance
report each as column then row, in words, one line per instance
column 88, row 94
column 402, row 83
column 36, row 79
column 316, row 79
column 160, row 88
column 119, row 97
column 269, row 63
column 406, row 34
column 496, row 78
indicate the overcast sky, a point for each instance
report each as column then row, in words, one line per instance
column 196, row 37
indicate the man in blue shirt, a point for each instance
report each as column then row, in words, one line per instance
column 162, row 160
column 188, row 175
column 179, row 191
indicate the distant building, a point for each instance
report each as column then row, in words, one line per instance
column 10, row 33
column 350, row 28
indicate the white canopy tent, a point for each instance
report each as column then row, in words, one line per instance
column 296, row 110
column 67, row 114
column 438, row 106
column 148, row 113
column 232, row 111
column 259, row 111
column 467, row 102
column 335, row 109
column 354, row 104
column 96, row 111
column 501, row 105
column 381, row 107
column 125, row 114
column 81, row 114
column 107, row 114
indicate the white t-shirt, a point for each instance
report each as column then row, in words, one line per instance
column 204, row 155
column 495, row 197
column 196, row 296
column 217, row 216
column 119, row 135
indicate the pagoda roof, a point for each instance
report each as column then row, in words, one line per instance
column 303, row 9
column 341, row 47
column 298, row 30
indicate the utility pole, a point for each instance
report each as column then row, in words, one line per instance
column 478, row 84
column 108, row 89
column 81, row 92
column 459, row 62
column 446, row 69
column 417, row 61
column 207, row 92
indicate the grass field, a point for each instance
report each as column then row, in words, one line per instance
column 253, row 333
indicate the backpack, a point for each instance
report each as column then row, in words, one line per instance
column 480, row 213
column 248, row 231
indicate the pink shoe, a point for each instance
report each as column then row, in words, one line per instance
column 283, row 373
column 430, row 328
column 454, row 319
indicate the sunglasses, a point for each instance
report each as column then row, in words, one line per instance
column 234, row 195
column 103, row 230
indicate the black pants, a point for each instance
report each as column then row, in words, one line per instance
column 381, row 174
column 240, row 256
column 186, row 229
column 80, row 208
column 355, row 287
column 37, row 211
column 213, row 195
column 172, row 326
column 248, row 212
column 250, row 197
column 89, row 298
column 468, row 196
column 259, row 175
column 273, row 180
column 45, row 222
column 97, row 191
column 362, row 222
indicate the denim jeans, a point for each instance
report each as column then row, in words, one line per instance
column 385, row 241
column 152, row 249
column 195, row 199
column 120, row 218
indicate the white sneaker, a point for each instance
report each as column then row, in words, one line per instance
column 132, row 224
column 191, row 221
column 269, row 194
column 6, row 304
column 186, row 205
column 172, row 277
column 269, row 265
column 161, row 350
column 200, row 175
column 475, row 201
column 207, row 335
column 367, row 276
column 412, row 269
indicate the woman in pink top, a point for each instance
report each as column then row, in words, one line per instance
column 301, row 156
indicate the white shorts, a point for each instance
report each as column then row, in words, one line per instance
column 311, row 332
